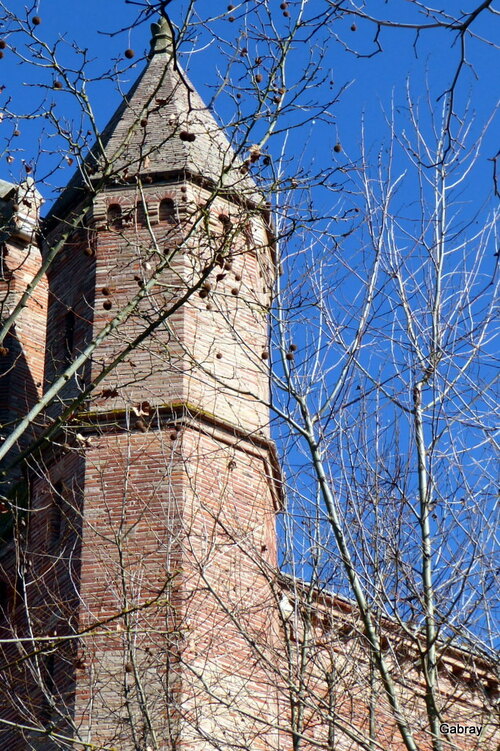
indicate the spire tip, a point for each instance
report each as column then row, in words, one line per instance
column 161, row 36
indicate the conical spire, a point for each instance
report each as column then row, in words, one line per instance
column 162, row 129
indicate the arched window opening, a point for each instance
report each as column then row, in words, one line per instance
column 114, row 216
column 141, row 214
column 166, row 211
column 5, row 273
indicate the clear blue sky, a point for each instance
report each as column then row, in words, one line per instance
column 372, row 82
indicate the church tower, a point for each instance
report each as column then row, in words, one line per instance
column 151, row 542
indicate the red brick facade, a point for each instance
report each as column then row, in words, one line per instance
column 141, row 586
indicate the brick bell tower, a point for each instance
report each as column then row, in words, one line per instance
column 151, row 540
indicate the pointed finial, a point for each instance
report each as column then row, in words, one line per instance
column 161, row 36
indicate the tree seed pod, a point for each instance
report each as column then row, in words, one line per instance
column 88, row 250
column 265, row 355
column 237, row 277
column 235, row 291
column 3, row 44
column 284, row 6
column 4, row 351
column 128, row 667
column 258, row 77
column 57, row 85
column 107, row 305
column 337, row 148
column 106, row 291
column 203, row 293
column 144, row 122
column 231, row 19
column 36, row 20
column 231, row 7
column 289, row 356
column 267, row 161
column 129, row 54
column 209, row 306
column 16, row 132
column 28, row 168
column 173, row 435
column 293, row 348
column 354, row 27
column 219, row 356
column 1, row 54
column 286, row 14
column 228, row 266
column 207, row 286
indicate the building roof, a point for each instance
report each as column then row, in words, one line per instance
column 161, row 128
column 6, row 189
